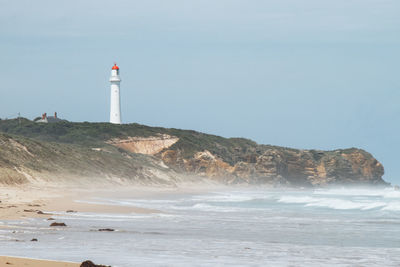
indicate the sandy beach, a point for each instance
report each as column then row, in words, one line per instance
column 22, row 262
column 21, row 202
column 48, row 200
column 41, row 199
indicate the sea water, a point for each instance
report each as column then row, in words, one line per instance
column 239, row 227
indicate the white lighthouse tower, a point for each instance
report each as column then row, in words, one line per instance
column 115, row 108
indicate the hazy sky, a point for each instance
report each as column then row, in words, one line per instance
column 304, row 74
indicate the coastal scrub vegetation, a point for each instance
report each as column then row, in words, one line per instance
column 96, row 134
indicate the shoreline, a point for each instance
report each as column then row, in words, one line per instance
column 48, row 200
column 23, row 202
column 43, row 199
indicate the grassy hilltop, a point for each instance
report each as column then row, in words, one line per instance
column 96, row 134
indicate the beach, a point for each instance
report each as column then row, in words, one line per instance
column 19, row 202
column 16, row 262
column 27, row 202
column 204, row 226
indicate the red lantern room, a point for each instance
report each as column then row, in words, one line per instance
column 115, row 69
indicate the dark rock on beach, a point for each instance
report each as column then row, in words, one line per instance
column 29, row 210
column 42, row 213
column 71, row 211
column 91, row 264
column 58, row 224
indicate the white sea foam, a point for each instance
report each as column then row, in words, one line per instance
column 341, row 204
column 393, row 206
column 333, row 203
column 392, row 194
column 384, row 192
column 207, row 207
column 296, row 199
column 142, row 203
column 338, row 199
column 91, row 216
column 224, row 198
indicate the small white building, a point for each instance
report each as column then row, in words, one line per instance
column 48, row 119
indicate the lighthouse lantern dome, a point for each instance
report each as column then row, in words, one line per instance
column 115, row 69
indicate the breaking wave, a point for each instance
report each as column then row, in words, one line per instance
column 385, row 193
column 386, row 199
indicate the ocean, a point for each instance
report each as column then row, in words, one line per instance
column 227, row 227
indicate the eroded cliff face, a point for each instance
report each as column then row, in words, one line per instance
column 145, row 145
column 281, row 166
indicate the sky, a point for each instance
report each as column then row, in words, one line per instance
column 307, row 74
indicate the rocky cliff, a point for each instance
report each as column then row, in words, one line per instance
column 281, row 166
column 144, row 154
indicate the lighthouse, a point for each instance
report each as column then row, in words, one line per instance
column 115, row 107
